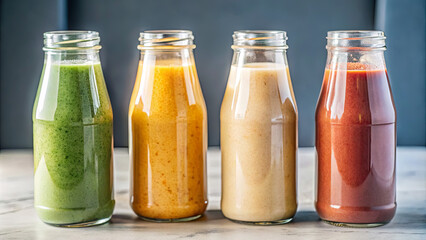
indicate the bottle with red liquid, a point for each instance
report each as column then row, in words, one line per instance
column 355, row 133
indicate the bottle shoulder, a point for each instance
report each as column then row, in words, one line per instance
column 356, row 97
column 167, row 90
column 259, row 93
column 72, row 93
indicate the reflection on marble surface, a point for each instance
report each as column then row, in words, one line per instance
column 19, row 221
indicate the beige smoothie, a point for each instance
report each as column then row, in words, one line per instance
column 259, row 144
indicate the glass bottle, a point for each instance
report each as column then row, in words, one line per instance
column 355, row 133
column 73, row 133
column 259, row 132
column 167, row 130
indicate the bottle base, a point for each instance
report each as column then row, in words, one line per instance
column 355, row 225
column 170, row 220
column 263, row 223
column 81, row 224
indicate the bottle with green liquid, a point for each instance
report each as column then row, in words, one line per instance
column 73, row 133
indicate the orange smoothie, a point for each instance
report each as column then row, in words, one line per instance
column 168, row 141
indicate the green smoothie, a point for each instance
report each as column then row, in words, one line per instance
column 73, row 141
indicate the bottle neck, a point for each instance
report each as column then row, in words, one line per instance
column 73, row 57
column 172, row 56
column 355, row 60
column 244, row 56
column 356, row 50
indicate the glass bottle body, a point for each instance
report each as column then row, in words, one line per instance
column 355, row 140
column 168, row 138
column 73, row 141
column 259, row 139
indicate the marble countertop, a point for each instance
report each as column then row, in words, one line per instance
column 18, row 219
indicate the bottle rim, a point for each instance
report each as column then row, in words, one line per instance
column 165, row 39
column 260, row 39
column 353, row 40
column 71, row 40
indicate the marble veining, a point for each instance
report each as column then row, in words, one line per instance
column 19, row 221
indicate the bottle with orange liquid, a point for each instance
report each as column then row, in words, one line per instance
column 167, row 130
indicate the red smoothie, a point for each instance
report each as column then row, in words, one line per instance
column 355, row 144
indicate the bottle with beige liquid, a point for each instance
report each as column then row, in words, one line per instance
column 259, row 132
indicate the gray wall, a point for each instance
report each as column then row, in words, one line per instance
column 22, row 24
column 119, row 22
column 406, row 62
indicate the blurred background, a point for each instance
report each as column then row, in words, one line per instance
column 22, row 23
